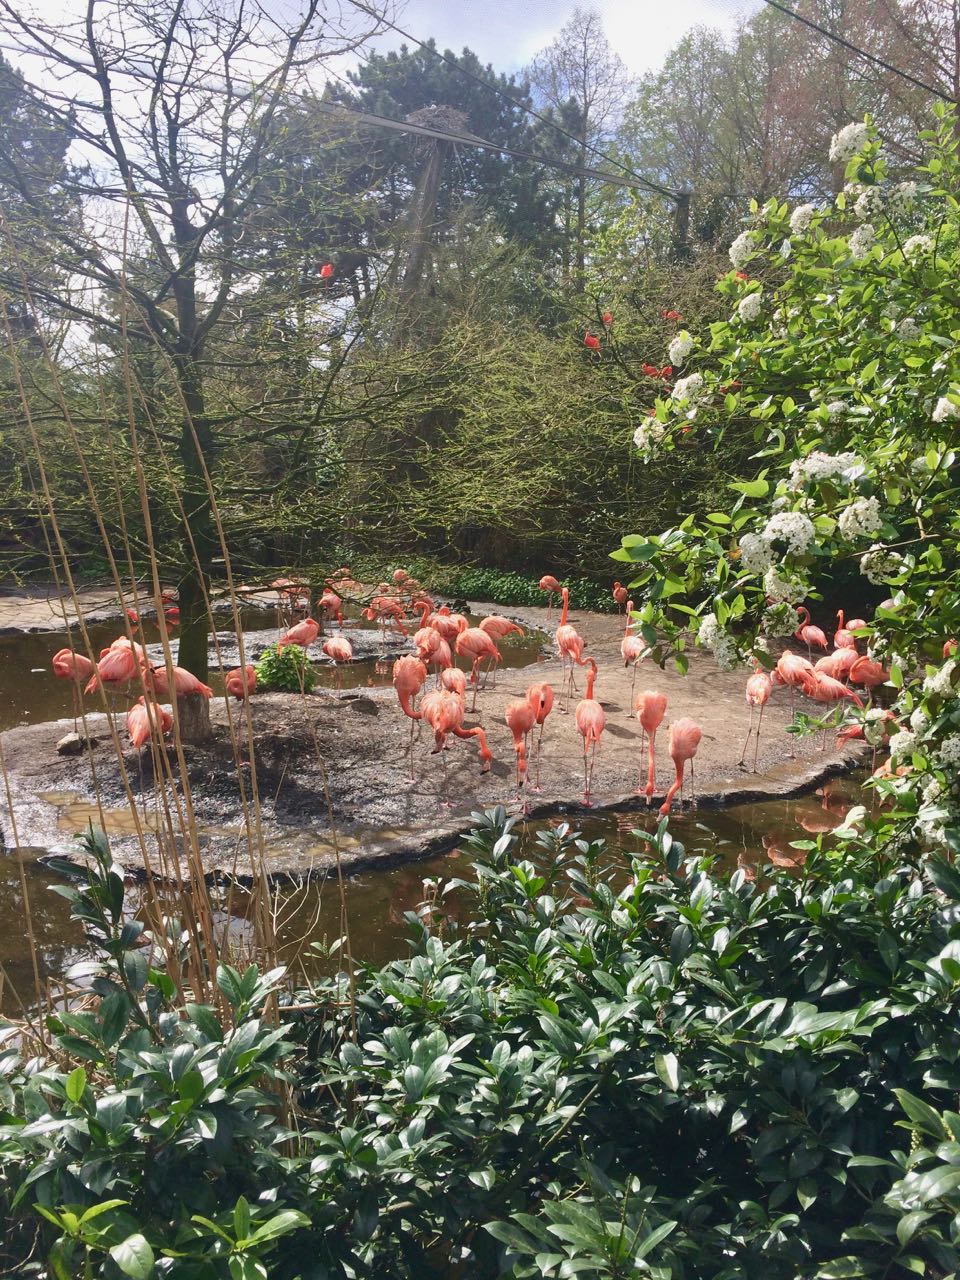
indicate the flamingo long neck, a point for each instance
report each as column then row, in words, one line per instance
column 406, row 697
column 424, row 607
column 804, row 613
column 626, row 625
column 674, row 786
column 651, row 763
column 840, row 620
column 591, row 679
column 565, row 593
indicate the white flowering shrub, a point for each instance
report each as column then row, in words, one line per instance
column 848, row 376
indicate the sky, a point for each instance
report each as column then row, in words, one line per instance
column 507, row 33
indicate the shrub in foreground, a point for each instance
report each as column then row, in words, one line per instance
column 622, row 1066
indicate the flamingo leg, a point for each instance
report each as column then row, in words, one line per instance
column 475, row 680
column 746, row 741
column 756, row 749
column 633, row 687
column 643, row 738
column 586, row 782
column 539, row 741
column 693, row 787
column 651, row 766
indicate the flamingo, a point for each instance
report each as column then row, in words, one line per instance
column 843, row 637
column 496, row 626
column 450, row 625
column 540, row 696
column 823, row 688
column 810, row 635
column 338, row 649
column 409, row 677
column 144, row 718
column 631, row 647
column 549, row 584
column 240, row 682
column 386, row 608
column 453, row 678
column 619, row 593
column 838, row 663
column 520, row 716
column 477, row 646
column 117, row 665
column 303, row 633
column 440, row 660
column 651, row 707
column 685, row 735
column 590, row 720
column 75, row 667
column 444, row 712
column 569, row 643
column 185, row 683
column 172, row 615
column 869, row 673
column 757, row 693
column 330, row 606
column 791, row 670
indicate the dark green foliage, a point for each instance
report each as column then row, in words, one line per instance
column 516, row 588
column 616, row 1067
column 286, row 669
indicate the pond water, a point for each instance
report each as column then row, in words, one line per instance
column 749, row 836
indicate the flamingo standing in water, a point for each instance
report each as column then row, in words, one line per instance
column 303, row 633
column 590, row 719
column 549, row 584
column 520, row 716
column 240, row 682
column 540, row 697
column 569, row 644
column 685, row 735
column 338, row 649
column 75, row 667
column 757, row 693
column 409, row 677
column 651, row 707
column 631, row 647
column 477, row 646
column 444, row 712
column 810, row 635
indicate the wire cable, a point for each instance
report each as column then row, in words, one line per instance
column 517, row 102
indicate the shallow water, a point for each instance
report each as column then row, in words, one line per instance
column 750, row 836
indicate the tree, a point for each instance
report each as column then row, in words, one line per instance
column 581, row 78
column 174, row 108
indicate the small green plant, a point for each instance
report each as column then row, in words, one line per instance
column 286, row 669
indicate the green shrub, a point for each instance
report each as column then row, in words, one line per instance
column 517, row 589
column 286, row 669
column 620, row 1067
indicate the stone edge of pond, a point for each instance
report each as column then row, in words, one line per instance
column 436, row 840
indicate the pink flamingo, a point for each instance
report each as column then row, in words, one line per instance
column 453, row 678
column 496, row 626
column 843, row 637
column 540, row 697
column 75, row 667
column 303, row 633
column 838, row 663
column 520, row 716
column 426, row 641
column 477, row 646
column 631, row 647
column 330, row 606
column 685, row 735
column 549, row 584
column 450, row 625
column 338, row 649
column 409, row 677
column 440, row 660
column 117, row 665
column 569, row 644
column 619, row 593
column 810, row 635
column 590, row 720
column 651, row 707
column 791, row 670
column 444, row 712
column 757, row 693
column 869, row 673
column 144, row 718
column 240, row 682
column 185, row 683
column 823, row 688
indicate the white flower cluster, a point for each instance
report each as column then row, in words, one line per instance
column 793, row 528
column 846, row 142
column 836, row 408
column 713, row 637
column 892, row 311
column 648, row 435
column 780, row 620
column 908, row 330
column 783, row 588
column 819, row 466
column 748, row 308
column 880, row 565
column 869, row 204
column 680, row 348
column 902, row 197
column 862, row 519
column 741, row 249
column 918, row 719
column 801, row 218
column 786, row 248
column 861, row 242
column 948, row 753
column 945, row 409
column 941, row 682
column 902, row 744
column 917, row 247
column 690, row 388
column 756, row 554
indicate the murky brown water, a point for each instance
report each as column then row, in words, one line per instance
column 750, row 836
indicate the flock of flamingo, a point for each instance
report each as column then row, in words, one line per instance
column 442, row 635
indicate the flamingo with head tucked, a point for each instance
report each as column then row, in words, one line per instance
column 590, row 719
column 540, row 697
column 619, row 593
column 338, row 649
column 240, row 682
column 75, row 667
